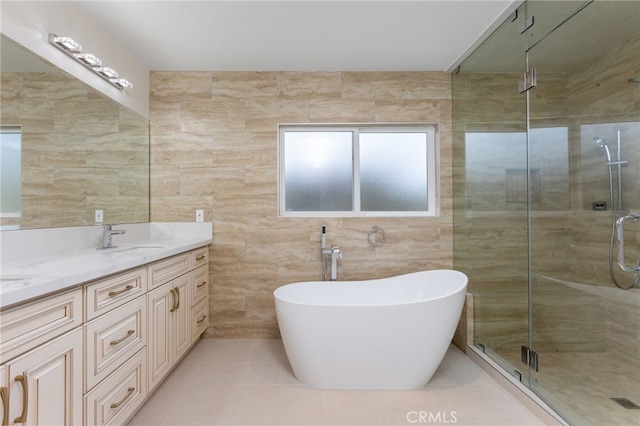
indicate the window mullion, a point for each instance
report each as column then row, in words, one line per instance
column 356, row 171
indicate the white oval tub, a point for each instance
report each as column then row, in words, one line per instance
column 389, row 333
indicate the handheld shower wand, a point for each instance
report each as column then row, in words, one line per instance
column 602, row 144
column 324, row 237
column 324, row 252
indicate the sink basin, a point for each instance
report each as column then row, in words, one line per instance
column 136, row 249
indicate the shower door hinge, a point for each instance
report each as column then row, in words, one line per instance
column 528, row 23
column 529, row 357
column 528, row 80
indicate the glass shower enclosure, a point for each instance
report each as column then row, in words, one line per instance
column 546, row 161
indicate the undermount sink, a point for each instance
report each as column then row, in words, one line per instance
column 139, row 249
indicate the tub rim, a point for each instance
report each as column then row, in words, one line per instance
column 459, row 287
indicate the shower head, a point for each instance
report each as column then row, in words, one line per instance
column 602, row 144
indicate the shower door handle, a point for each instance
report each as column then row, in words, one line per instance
column 620, row 231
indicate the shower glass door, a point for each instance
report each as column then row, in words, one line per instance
column 584, row 123
column 490, row 202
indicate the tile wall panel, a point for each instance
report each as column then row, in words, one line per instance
column 214, row 147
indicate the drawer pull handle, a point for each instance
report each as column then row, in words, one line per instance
column 115, row 293
column 174, row 291
column 116, row 342
column 5, row 406
column 25, row 399
column 203, row 318
column 201, row 257
column 129, row 393
column 202, row 284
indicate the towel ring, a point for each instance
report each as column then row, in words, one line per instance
column 376, row 237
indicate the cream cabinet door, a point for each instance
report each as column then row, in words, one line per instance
column 182, row 317
column 169, row 325
column 160, row 352
column 45, row 384
column 4, row 396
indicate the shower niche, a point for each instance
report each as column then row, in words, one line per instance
column 529, row 167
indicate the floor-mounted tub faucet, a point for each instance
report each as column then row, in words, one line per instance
column 334, row 252
column 107, row 233
column 335, row 255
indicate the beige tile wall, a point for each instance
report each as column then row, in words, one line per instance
column 214, row 147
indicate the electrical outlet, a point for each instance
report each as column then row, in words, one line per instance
column 99, row 216
column 199, row 215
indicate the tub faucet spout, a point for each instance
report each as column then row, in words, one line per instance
column 335, row 255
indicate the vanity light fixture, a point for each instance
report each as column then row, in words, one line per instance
column 88, row 59
column 65, row 42
column 121, row 83
column 107, row 72
column 74, row 50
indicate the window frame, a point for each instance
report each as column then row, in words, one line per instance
column 433, row 167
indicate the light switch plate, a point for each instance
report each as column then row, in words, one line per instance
column 199, row 215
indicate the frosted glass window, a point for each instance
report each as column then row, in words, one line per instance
column 10, row 171
column 318, row 170
column 347, row 170
column 393, row 171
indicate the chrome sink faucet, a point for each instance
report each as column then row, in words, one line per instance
column 107, row 233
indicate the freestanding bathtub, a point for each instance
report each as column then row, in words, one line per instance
column 388, row 333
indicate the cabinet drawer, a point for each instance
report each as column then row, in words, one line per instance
column 112, row 338
column 105, row 295
column 165, row 270
column 25, row 327
column 200, row 318
column 200, row 284
column 199, row 257
column 114, row 400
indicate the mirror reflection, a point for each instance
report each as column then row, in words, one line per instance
column 80, row 151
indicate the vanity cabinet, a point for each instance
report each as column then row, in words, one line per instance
column 199, row 301
column 170, row 307
column 42, row 368
column 45, row 384
column 92, row 355
column 115, row 335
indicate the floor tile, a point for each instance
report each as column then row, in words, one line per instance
column 249, row 382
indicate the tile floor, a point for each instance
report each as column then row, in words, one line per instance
column 249, row 382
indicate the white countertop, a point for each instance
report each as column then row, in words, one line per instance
column 25, row 279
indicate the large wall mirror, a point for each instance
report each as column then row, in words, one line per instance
column 66, row 149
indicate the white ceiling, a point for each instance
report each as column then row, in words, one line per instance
column 324, row 35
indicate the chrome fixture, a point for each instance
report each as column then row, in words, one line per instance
column 620, row 230
column 376, row 237
column 634, row 80
column 602, row 144
column 617, row 225
column 74, row 50
column 333, row 253
column 107, row 233
column 619, row 163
